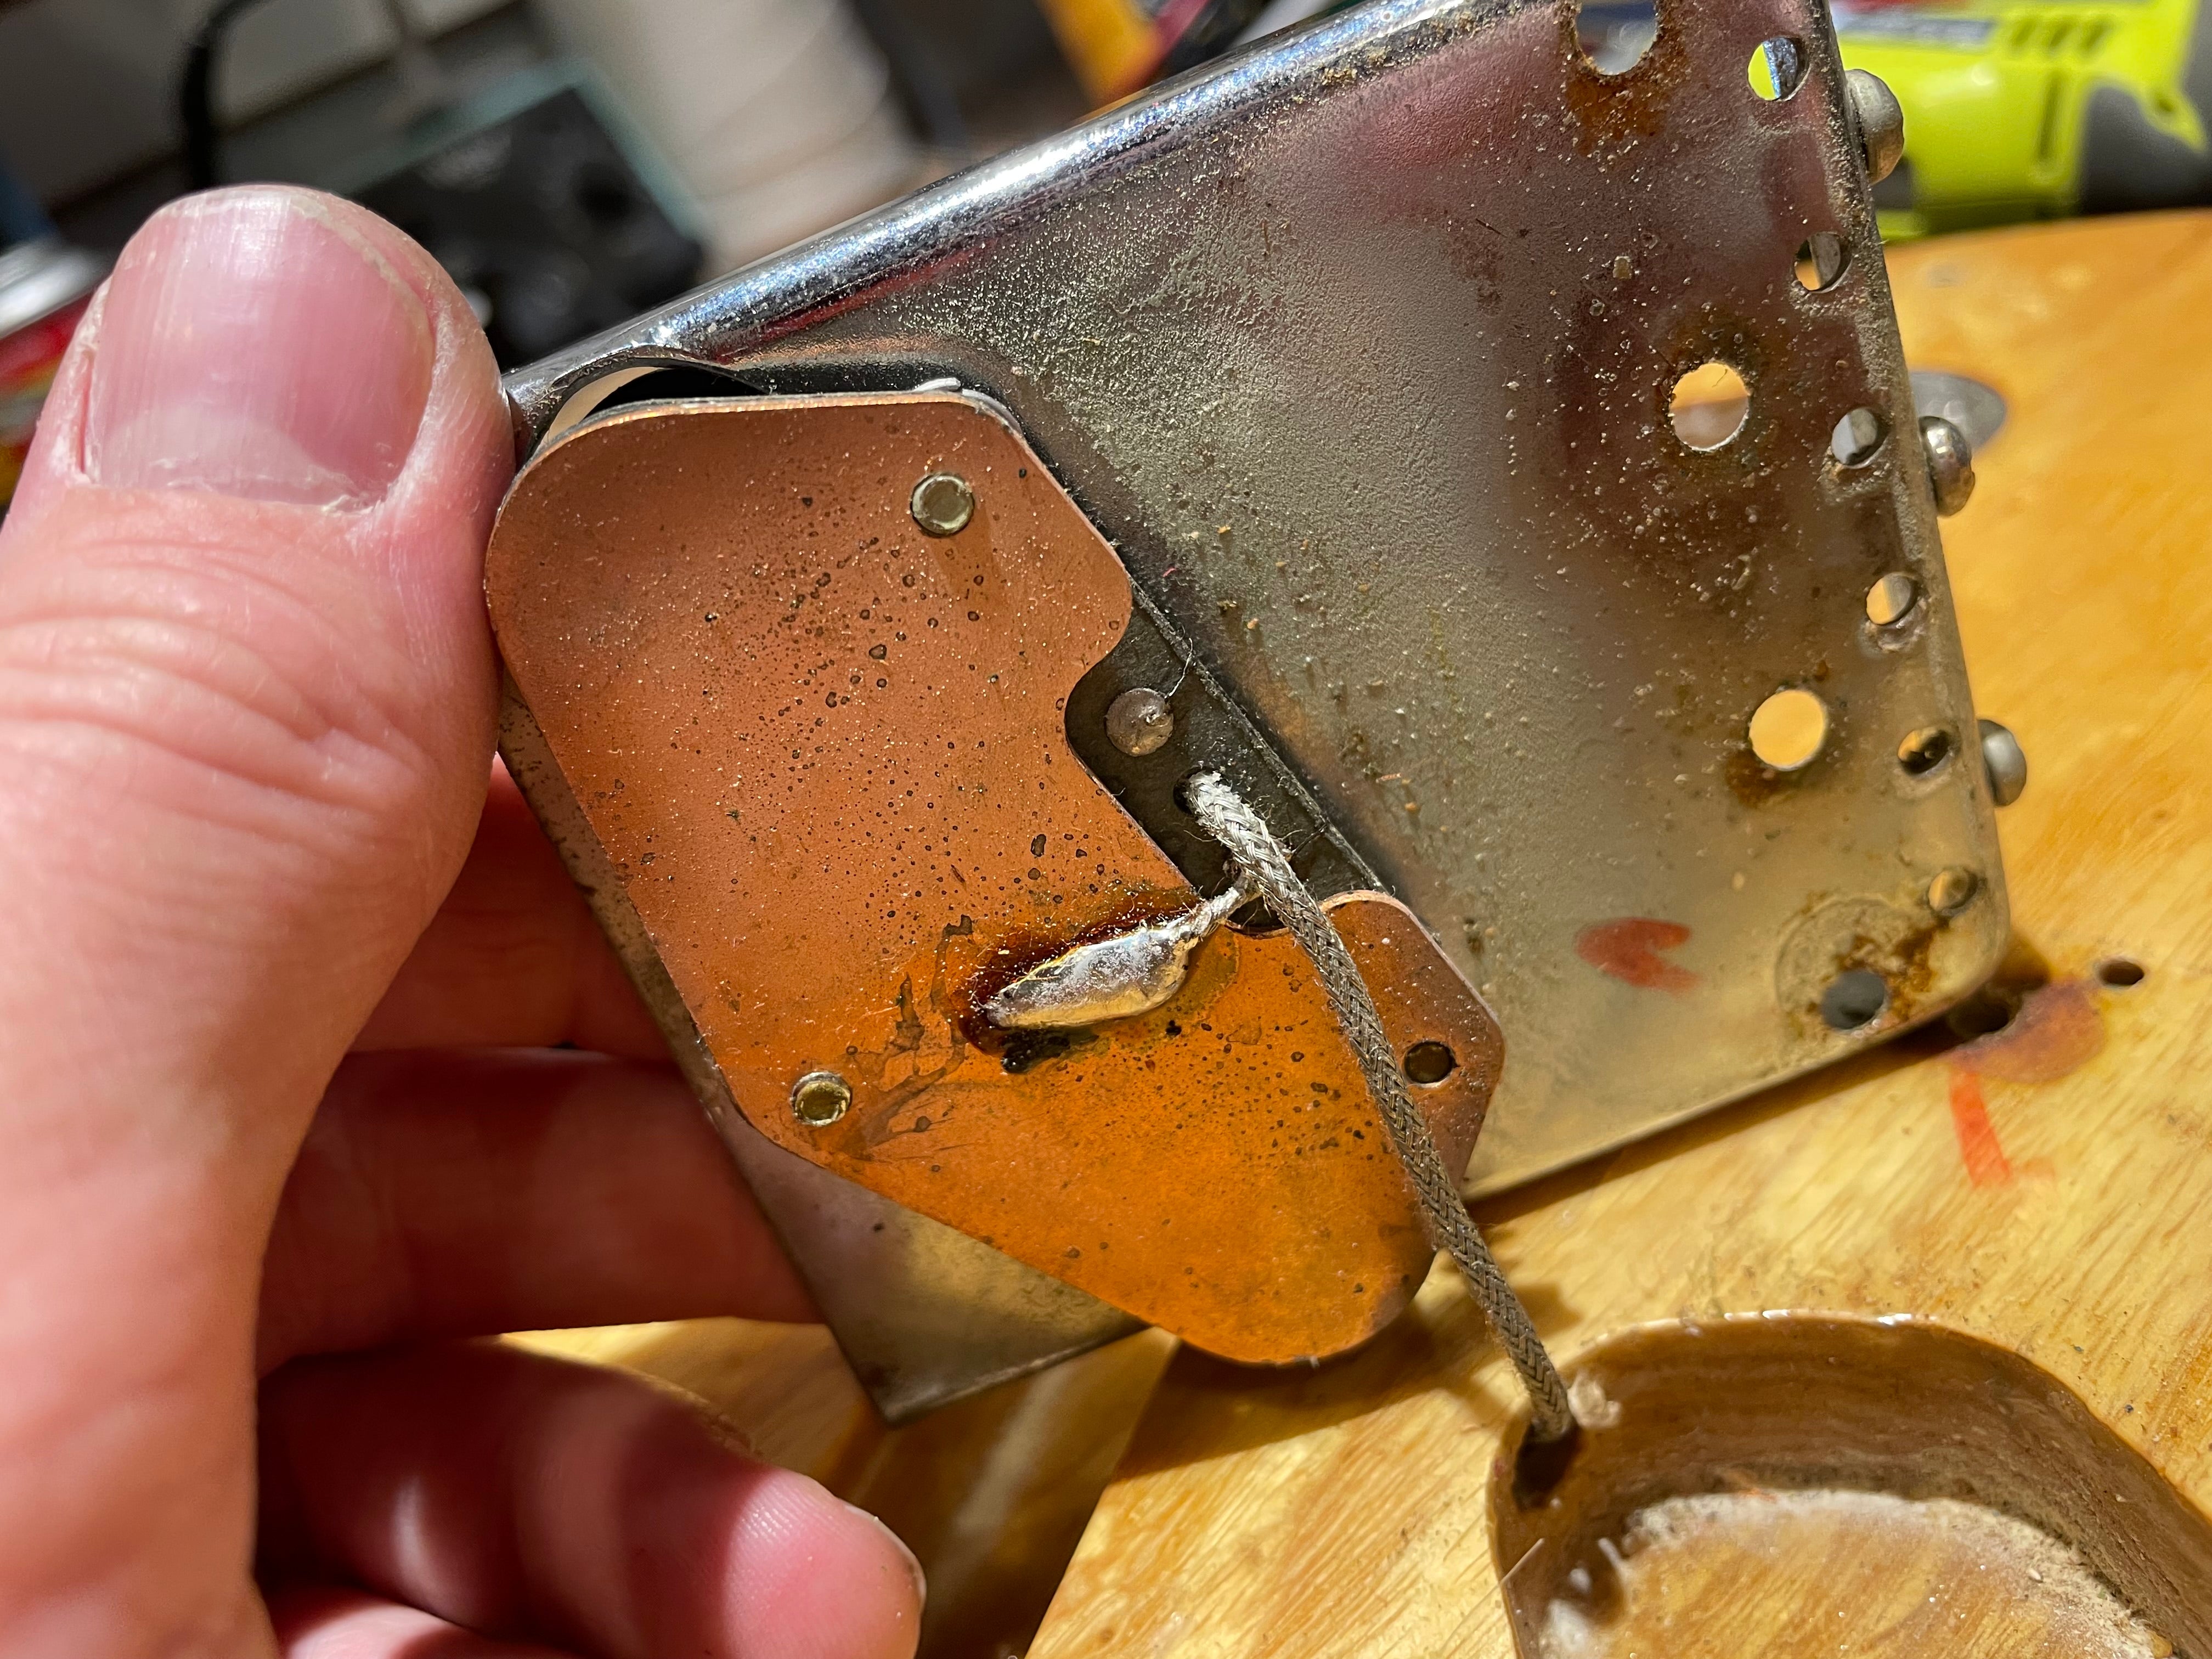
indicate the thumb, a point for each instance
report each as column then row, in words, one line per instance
column 246, row 707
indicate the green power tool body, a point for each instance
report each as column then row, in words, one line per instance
column 2038, row 110
column 2014, row 109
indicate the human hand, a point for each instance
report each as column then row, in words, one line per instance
column 246, row 696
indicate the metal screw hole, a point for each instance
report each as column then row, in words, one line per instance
column 1614, row 34
column 1855, row 998
column 1430, row 1063
column 1822, row 259
column 1923, row 750
column 1708, row 404
column 1776, row 68
column 1857, row 437
column 1951, row 890
column 1789, row 729
column 1889, row 600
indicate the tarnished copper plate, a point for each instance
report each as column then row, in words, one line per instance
column 826, row 753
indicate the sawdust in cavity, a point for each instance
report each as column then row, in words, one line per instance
column 1765, row 1574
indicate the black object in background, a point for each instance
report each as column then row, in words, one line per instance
column 545, row 223
column 21, row 218
column 533, row 195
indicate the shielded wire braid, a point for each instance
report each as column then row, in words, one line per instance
column 1253, row 849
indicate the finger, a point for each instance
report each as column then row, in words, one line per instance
column 329, row 1623
column 245, row 698
column 533, row 1500
column 513, row 959
column 468, row 1193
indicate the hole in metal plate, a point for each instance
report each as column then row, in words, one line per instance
column 1857, row 437
column 1923, row 750
column 1891, row 600
column 1430, row 1062
column 1776, row 68
column 1788, row 730
column 1614, row 34
column 1709, row 404
column 1854, row 999
column 1950, row 890
column 1821, row 259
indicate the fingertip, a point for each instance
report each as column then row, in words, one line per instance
column 818, row 1578
column 717, row 1548
column 534, row 1499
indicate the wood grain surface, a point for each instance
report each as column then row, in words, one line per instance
column 2048, row 1188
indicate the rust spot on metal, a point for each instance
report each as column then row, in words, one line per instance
column 1749, row 779
column 836, row 804
column 1612, row 112
column 1629, row 949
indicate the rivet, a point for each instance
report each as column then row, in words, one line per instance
column 2007, row 763
column 1881, row 122
column 942, row 504
column 1139, row 721
column 820, row 1098
column 1950, row 464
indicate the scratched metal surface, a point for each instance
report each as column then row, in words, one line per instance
column 1359, row 350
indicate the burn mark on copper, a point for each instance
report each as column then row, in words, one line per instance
column 1116, row 977
column 1021, row 951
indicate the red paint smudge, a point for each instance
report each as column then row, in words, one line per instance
column 1628, row 949
column 1986, row 1164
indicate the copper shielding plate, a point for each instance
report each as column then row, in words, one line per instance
column 826, row 754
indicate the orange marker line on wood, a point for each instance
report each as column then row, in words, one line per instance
column 1986, row 1164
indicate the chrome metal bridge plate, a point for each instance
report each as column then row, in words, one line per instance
column 1361, row 348
column 825, row 754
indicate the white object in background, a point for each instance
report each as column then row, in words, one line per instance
column 88, row 88
column 778, row 115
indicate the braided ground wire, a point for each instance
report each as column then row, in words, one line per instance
column 1255, row 850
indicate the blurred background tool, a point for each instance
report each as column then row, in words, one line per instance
column 570, row 161
column 554, row 216
column 2040, row 111
column 2013, row 111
